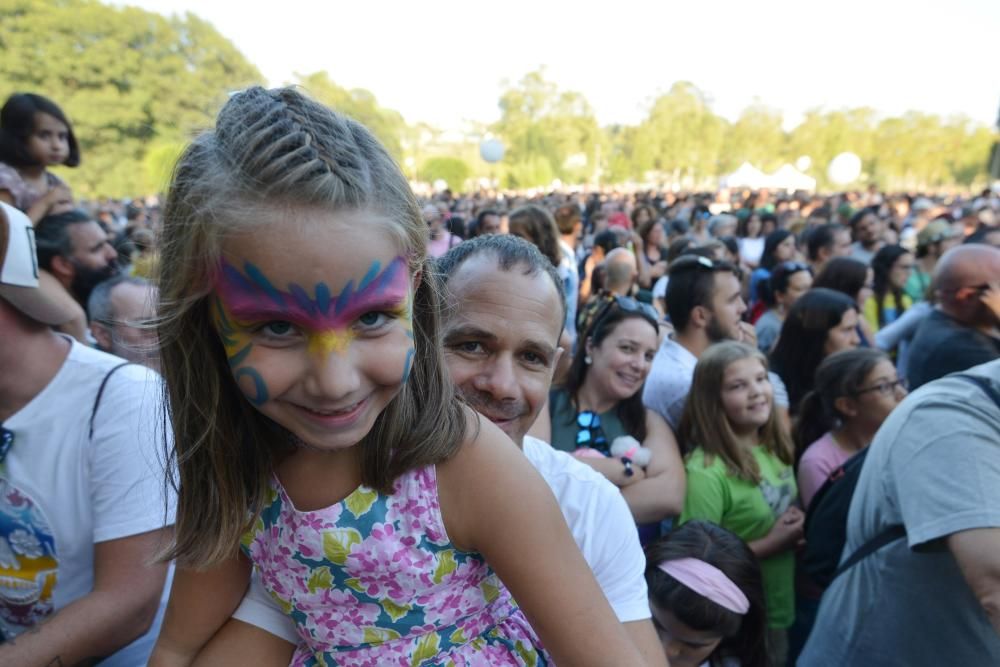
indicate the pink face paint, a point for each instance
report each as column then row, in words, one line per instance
column 327, row 320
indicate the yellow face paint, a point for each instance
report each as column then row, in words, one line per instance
column 322, row 343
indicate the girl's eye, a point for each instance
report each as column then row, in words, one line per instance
column 277, row 328
column 374, row 319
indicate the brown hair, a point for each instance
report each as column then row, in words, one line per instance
column 277, row 148
column 704, row 422
column 533, row 223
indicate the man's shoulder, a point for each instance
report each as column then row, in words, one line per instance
column 86, row 362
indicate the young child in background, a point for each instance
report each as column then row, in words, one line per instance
column 318, row 438
column 707, row 598
column 739, row 471
column 855, row 391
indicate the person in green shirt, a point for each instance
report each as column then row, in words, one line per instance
column 739, row 468
column 933, row 241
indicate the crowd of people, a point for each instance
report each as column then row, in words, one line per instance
column 291, row 414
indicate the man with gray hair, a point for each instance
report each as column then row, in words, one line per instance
column 120, row 312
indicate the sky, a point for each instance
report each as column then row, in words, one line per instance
column 445, row 62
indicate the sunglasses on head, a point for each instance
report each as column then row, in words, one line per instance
column 629, row 305
column 792, row 267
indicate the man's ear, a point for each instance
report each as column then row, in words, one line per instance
column 102, row 334
column 63, row 269
column 700, row 316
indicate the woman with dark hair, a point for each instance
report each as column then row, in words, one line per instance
column 892, row 266
column 601, row 400
column 706, row 594
column 779, row 246
column 788, row 282
column 537, row 226
column 654, row 253
column 855, row 279
column 751, row 240
column 35, row 135
column 855, row 390
column 820, row 323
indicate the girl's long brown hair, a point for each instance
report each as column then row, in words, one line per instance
column 704, row 422
column 277, row 148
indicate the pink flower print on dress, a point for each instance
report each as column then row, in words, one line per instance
column 306, row 532
column 339, row 619
column 389, row 564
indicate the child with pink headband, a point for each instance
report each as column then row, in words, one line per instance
column 707, row 598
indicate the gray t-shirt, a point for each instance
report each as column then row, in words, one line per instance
column 934, row 467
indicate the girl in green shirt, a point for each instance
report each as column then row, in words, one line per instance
column 739, row 471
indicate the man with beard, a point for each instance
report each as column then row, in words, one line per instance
column 705, row 304
column 964, row 329
column 503, row 317
column 74, row 248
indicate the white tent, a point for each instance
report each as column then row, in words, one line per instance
column 746, row 176
column 790, row 178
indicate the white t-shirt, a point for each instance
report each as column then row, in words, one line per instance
column 669, row 381
column 62, row 491
column 596, row 514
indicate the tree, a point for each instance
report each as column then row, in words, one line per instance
column 680, row 136
column 451, row 170
column 548, row 133
column 756, row 137
column 125, row 77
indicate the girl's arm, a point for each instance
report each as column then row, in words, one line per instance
column 200, row 603
column 661, row 493
column 903, row 328
column 494, row 502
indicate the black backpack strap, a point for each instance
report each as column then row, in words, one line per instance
column 898, row 531
column 887, row 536
column 100, row 392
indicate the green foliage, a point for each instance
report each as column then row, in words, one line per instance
column 548, row 133
column 128, row 79
column 451, row 170
column 137, row 85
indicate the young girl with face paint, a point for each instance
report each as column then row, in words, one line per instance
column 317, row 437
column 739, row 471
column 707, row 598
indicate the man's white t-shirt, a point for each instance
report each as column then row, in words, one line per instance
column 62, row 491
column 596, row 514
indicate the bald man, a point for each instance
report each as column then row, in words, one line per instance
column 620, row 269
column 964, row 329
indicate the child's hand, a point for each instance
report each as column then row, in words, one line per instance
column 59, row 199
column 788, row 530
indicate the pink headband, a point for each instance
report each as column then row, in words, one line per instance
column 708, row 581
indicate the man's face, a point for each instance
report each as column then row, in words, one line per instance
column 93, row 258
column 501, row 341
column 869, row 229
column 841, row 243
column 134, row 307
column 727, row 308
column 492, row 224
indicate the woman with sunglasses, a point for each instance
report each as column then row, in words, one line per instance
column 788, row 281
column 601, row 400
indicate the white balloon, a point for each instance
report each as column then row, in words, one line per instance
column 803, row 163
column 491, row 150
column 844, row 169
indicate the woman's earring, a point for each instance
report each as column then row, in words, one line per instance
column 587, row 360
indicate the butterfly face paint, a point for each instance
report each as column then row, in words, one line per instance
column 248, row 302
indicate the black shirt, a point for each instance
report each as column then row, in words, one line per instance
column 943, row 345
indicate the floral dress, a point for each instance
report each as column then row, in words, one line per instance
column 374, row 580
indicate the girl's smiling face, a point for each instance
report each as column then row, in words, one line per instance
column 313, row 308
column 746, row 395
